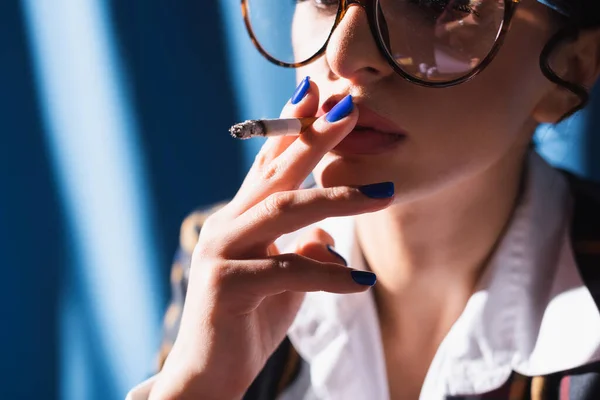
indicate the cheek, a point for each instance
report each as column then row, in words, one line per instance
column 455, row 132
column 491, row 111
column 514, row 84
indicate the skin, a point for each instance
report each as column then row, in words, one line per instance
column 457, row 180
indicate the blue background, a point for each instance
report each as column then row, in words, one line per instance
column 114, row 118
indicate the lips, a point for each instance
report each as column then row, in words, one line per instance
column 373, row 134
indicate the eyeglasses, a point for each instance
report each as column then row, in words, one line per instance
column 433, row 43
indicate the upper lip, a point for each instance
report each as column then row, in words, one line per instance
column 367, row 119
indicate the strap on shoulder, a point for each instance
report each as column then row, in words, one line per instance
column 281, row 368
column 279, row 372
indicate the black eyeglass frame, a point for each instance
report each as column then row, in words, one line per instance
column 371, row 8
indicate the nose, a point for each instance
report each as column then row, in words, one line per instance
column 352, row 52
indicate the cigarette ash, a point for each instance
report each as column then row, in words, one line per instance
column 248, row 129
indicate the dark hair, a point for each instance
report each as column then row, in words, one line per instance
column 582, row 15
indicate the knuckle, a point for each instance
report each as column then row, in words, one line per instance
column 339, row 193
column 285, row 262
column 210, row 224
column 305, row 247
column 213, row 237
column 218, row 275
column 209, row 244
column 279, row 203
column 271, row 171
column 279, row 265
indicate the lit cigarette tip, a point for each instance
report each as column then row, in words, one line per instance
column 248, row 129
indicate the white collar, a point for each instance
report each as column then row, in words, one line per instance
column 532, row 313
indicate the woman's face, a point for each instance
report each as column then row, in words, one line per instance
column 450, row 134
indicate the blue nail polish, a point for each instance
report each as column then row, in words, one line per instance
column 364, row 278
column 301, row 90
column 342, row 109
column 383, row 190
column 338, row 255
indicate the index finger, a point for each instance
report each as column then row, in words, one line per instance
column 303, row 103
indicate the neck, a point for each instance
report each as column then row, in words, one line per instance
column 429, row 254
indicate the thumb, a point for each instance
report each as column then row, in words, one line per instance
column 306, row 104
column 319, row 245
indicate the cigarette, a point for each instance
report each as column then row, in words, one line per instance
column 271, row 127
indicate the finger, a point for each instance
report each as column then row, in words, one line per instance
column 286, row 212
column 316, row 235
column 272, row 250
column 290, row 272
column 319, row 245
column 292, row 166
column 306, row 106
column 288, row 170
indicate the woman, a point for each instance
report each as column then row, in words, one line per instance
column 433, row 193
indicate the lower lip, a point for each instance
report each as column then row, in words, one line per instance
column 366, row 141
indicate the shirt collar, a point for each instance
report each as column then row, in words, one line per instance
column 531, row 313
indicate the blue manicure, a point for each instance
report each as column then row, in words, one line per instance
column 301, row 90
column 364, row 278
column 381, row 190
column 338, row 255
column 340, row 110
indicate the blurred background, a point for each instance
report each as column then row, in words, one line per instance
column 114, row 118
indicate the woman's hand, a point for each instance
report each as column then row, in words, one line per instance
column 243, row 294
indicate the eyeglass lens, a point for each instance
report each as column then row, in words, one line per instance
column 432, row 40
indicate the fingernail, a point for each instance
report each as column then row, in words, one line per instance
column 338, row 255
column 301, row 90
column 381, row 190
column 342, row 109
column 364, row 278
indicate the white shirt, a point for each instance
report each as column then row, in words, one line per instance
column 531, row 313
